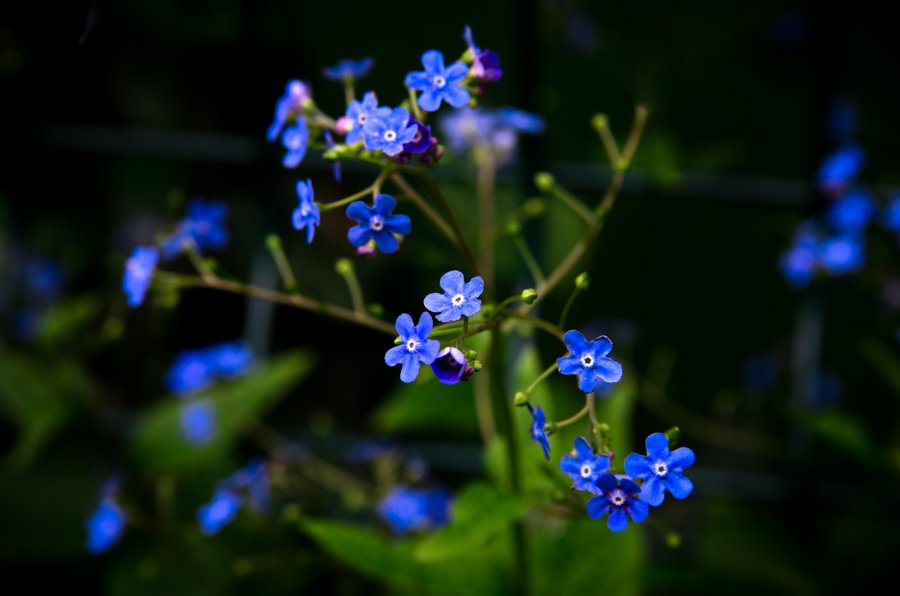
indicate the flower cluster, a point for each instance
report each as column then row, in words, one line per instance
column 250, row 484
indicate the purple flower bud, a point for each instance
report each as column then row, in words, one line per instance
column 450, row 366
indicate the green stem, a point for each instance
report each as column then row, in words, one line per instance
column 423, row 206
column 414, row 104
column 349, row 90
column 570, row 201
column 345, row 268
column 565, row 311
column 487, row 229
column 346, row 200
column 529, row 259
column 197, row 261
column 273, row 243
column 543, row 376
column 579, row 415
column 539, row 323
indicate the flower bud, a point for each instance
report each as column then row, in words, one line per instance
column 528, row 296
column 583, row 281
column 544, row 181
column 521, row 398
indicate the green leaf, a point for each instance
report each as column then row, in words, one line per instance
column 68, row 320
column 240, row 404
column 479, row 513
column 428, row 405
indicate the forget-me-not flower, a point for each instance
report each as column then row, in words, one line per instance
column 191, row 372
column 388, row 131
column 290, row 105
column 406, row 509
column 840, row 169
column 621, row 499
column 230, row 359
column 250, row 482
column 198, row 421
column 539, row 430
column 306, row 215
column 139, row 273
column 348, row 69
column 105, row 526
column 439, row 84
column 203, row 226
column 377, row 223
column 460, row 299
column 295, row 139
column 661, row 470
column 584, row 467
column 798, row 264
column 589, row 361
column 852, row 212
column 415, row 348
column 485, row 64
column 220, row 511
column 841, row 255
column 890, row 218
column 450, row 366
column 358, row 113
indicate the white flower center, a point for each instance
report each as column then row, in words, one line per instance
column 376, row 223
column 458, row 300
column 587, row 360
column 617, row 497
column 439, row 82
column 411, row 345
column 417, row 137
column 304, row 210
column 361, row 118
column 587, row 470
column 390, row 136
column 659, row 468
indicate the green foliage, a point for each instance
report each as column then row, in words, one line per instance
column 67, row 321
column 428, row 406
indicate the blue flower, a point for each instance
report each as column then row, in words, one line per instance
column 589, row 361
column 198, row 422
column 336, row 166
column 406, row 509
column 139, row 273
column 620, row 498
column 105, row 526
column 538, row 430
column 203, row 225
column 388, row 131
column 485, row 64
column 421, row 141
column 891, row 216
column 450, row 366
column 840, row 169
column 438, row 83
column 460, row 299
column 584, row 467
column 295, row 140
column 377, row 223
column 250, row 482
column 230, row 359
column 841, row 255
column 191, row 372
column 661, row 470
column 358, row 113
column 289, row 106
column 307, row 213
column 348, row 69
column 255, row 480
column 219, row 512
column 496, row 131
column 521, row 121
column 852, row 213
column 43, row 281
column 415, row 348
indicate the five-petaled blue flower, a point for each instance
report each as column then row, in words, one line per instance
column 661, row 470
column 620, row 498
column 406, row 509
column 388, row 130
column 295, row 139
column 841, row 255
column 348, row 69
column 139, row 273
column 105, row 526
column 589, row 361
column 584, row 467
column 198, row 421
column 415, row 348
column 306, row 215
column 539, row 430
column 460, row 299
column 798, row 264
column 358, row 113
column 203, row 226
column 438, row 83
column 230, row 359
column 290, row 105
column 377, row 223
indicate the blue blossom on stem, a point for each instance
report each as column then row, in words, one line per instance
column 589, row 361
column 798, row 264
column 539, row 431
column 584, row 466
column 439, row 84
column 348, row 69
column 203, row 226
column 139, row 273
column 521, row 121
column 230, row 359
column 107, row 524
column 358, row 113
column 661, row 470
column 388, row 131
column 219, row 512
column 295, row 139
column 250, row 482
column 406, row 509
column 289, row 106
column 840, row 169
column 306, row 215
column 336, row 166
column 377, row 223
column 891, row 216
column 841, row 255
column 198, row 422
column 485, row 64
column 460, row 299
column 421, row 141
column 191, row 372
column 450, row 366
column 852, row 212
column 415, row 348
column 621, row 499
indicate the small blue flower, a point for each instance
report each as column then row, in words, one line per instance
column 891, row 216
column 348, row 69
column 798, row 264
column 289, row 106
column 252, row 479
column 377, row 223
column 460, row 299
column 43, row 280
column 406, row 509
column 439, row 84
column 538, row 430
column 198, row 422
column 219, row 512
column 589, row 361
column 584, row 467
column 306, row 215
column 388, row 131
column 840, row 169
column 230, row 359
column 842, row 255
column 105, row 526
column 139, row 273
column 191, row 372
column 496, row 131
column 421, row 141
column 521, row 121
column 415, row 348
column 621, row 499
column 450, row 366
column 661, row 470
column 485, row 64
column 852, row 212
column 203, row 225
column 295, row 140
column 358, row 113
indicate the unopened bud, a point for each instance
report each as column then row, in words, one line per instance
column 521, row 399
column 343, row 266
column 471, row 354
column 583, row 281
column 513, row 228
column 477, row 365
column 528, row 296
column 544, row 181
column 273, row 242
column 600, row 121
column 674, row 436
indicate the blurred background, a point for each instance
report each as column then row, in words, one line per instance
column 114, row 113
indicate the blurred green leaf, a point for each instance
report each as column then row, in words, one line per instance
column 428, row 405
column 240, row 404
column 885, row 361
column 847, row 434
column 617, row 410
column 66, row 321
column 479, row 513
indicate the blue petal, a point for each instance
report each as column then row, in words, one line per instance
column 428, row 351
column 398, row 224
column 608, row 370
column 583, row 448
column 576, row 342
column 607, row 483
column 430, row 100
column 681, row 458
column 628, row 485
column 405, row 327
column 386, row 242
column 638, row 510
column 360, row 234
column 637, row 466
column 395, row 355
column 384, row 205
column 359, row 211
column 569, row 365
column 423, row 329
column 452, row 282
column 417, row 80
column 570, row 466
column 455, row 95
column 657, row 446
column 678, row 485
column 474, row 288
column 601, row 346
column 586, row 382
column 433, row 61
column 618, row 520
column 653, row 491
column 470, row 307
column 436, row 302
column 598, row 507
column 455, row 72
column 410, row 368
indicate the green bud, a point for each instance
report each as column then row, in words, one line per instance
column 550, row 428
column 623, row 165
column 673, row 540
column 583, row 281
column 521, row 399
column 600, row 121
column 331, row 154
column 397, row 341
column 477, row 365
column 674, row 436
column 544, row 181
column 343, row 266
column 602, row 427
column 273, row 242
column 533, row 207
column 471, row 354
column 528, row 296
column 513, row 228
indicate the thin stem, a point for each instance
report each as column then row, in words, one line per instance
column 197, row 261
column 273, row 243
column 609, row 143
column 379, row 181
column 572, row 202
column 565, row 311
column 423, row 205
column 539, row 323
column 414, row 104
column 487, row 229
column 349, row 90
column 486, row 424
column 533, row 267
column 578, row 416
column 541, row 378
column 346, row 200
column 345, row 268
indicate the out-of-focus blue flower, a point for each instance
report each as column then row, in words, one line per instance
column 203, row 225
column 439, row 84
column 230, row 359
column 388, row 132
column 191, row 372
column 450, row 366
column 842, row 255
column 377, row 223
column 494, row 131
column 219, row 512
column 348, row 69
column 584, row 467
column 798, row 264
column 289, row 106
column 521, row 121
column 415, row 348
column 105, row 526
column 460, row 299
column 538, row 430
column 198, row 421
column 661, row 470
column 406, row 509
column 306, row 215
column 840, row 169
column 760, row 373
column 139, row 273
column 336, row 166
column 852, row 212
column 358, row 113
column 621, row 499
column 891, row 216
column 589, row 361
column 295, row 139
column 421, row 141
column 43, row 280
column 254, row 479
column 250, row 482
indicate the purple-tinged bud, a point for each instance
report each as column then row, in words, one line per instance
column 422, row 139
column 450, row 366
column 367, row 250
column 486, row 67
column 343, row 125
